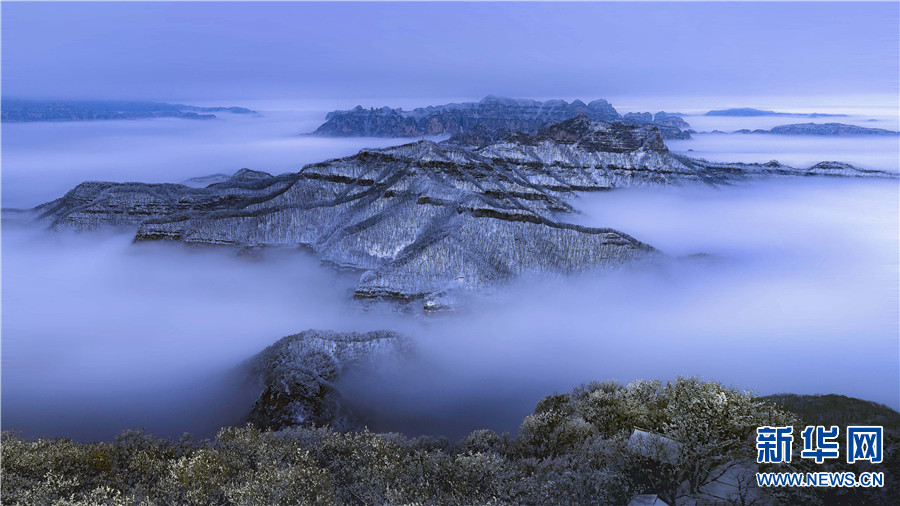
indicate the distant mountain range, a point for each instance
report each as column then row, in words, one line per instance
column 489, row 120
column 747, row 111
column 493, row 119
column 823, row 129
column 15, row 110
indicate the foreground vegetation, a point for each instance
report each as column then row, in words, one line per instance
column 572, row 450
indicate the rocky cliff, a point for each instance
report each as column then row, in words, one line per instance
column 297, row 375
column 425, row 221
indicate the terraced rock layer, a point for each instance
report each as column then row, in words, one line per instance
column 424, row 221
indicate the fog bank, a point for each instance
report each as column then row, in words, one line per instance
column 798, row 294
column 100, row 335
column 867, row 152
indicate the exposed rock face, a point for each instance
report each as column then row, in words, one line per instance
column 821, row 129
column 33, row 110
column 425, row 221
column 494, row 115
column 297, row 375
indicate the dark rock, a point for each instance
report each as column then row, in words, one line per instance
column 298, row 373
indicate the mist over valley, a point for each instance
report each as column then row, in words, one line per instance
column 92, row 321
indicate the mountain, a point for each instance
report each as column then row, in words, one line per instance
column 820, row 129
column 298, row 372
column 424, row 221
column 475, row 123
column 35, row 110
column 492, row 113
column 747, row 111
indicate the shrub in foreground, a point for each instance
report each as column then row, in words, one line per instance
column 572, row 450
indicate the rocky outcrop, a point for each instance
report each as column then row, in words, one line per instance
column 837, row 129
column 297, row 375
column 670, row 119
column 671, row 126
column 34, row 110
column 425, row 221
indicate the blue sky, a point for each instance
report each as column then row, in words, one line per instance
column 215, row 51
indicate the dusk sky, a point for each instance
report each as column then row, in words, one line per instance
column 230, row 51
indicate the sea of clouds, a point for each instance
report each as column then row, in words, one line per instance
column 795, row 291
